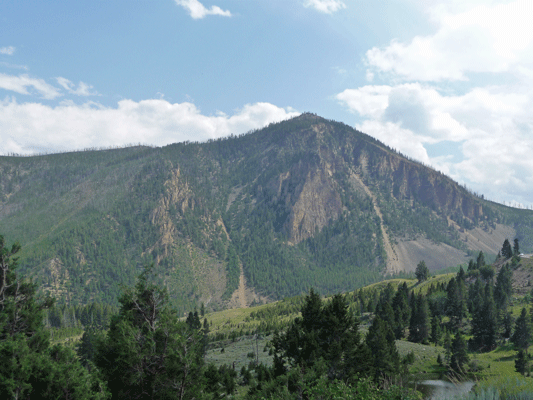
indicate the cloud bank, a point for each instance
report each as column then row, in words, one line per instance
column 30, row 128
column 458, row 99
column 483, row 38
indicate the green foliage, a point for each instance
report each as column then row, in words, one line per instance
column 325, row 332
column 422, row 271
column 30, row 367
column 459, row 353
column 89, row 219
column 384, row 355
column 484, row 320
column 147, row 352
column 455, row 302
column 504, row 287
column 522, row 333
column 420, row 324
column 521, row 362
column 506, row 251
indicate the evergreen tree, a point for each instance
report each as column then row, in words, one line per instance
column 516, row 247
column 487, row 273
column 439, row 360
column 448, row 346
column 522, row 332
column 193, row 321
column 325, row 334
column 30, row 367
column 459, row 354
column 420, row 327
column 507, row 325
column 436, row 331
column 471, row 265
column 380, row 341
column 504, row 287
column 148, row 353
column 480, row 262
column 474, row 290
column 461, row 276
column 455, row 302
column 521, row 362
column 506, row 251
column 88, row 345
column 484, row 321
column 422, row 271
column 402, row 312
column 386, row 313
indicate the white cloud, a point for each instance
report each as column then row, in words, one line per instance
column 326, row 6
column 491, row 127
column 368, row 101
column 198, row 11
column 459, row 98
column 480, row 38
column 9, row 50
column 29, row 126
column 22, row 83
column 14, row 66
column 83, row 89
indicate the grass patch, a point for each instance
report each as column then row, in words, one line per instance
column 236, row 352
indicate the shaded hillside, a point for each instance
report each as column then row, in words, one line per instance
column 305, row 202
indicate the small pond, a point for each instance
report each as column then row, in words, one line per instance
column 441, row 390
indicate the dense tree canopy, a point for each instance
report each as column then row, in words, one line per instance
column 30, row 367
column 148, row 353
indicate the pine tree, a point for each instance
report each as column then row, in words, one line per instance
column 420, row 325
column 480, row 262
column 436, row 332
column 455, row 302
column 148, row 353
column 516, row 247
column 380, row 341
column 522, row 333
column 422, row 271
column 507, row 325
column 504, row 287
column 439, row 360
column 484, row 321
column 448, row 346
column 459, row 354
column 325, row 333
column 506, row 251
column 402, row 312
column 461, row 276
column 521, row 362
column 30, row 367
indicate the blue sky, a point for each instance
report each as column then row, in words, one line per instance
column 448, row 82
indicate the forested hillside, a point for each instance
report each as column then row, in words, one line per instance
column 299, row 204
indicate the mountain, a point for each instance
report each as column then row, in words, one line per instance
column 249, row 218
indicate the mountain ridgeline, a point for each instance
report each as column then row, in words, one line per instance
column 301, row 203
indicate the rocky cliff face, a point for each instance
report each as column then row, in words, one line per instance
column 311, row 199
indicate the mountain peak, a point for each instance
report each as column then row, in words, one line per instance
column 304, row 202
